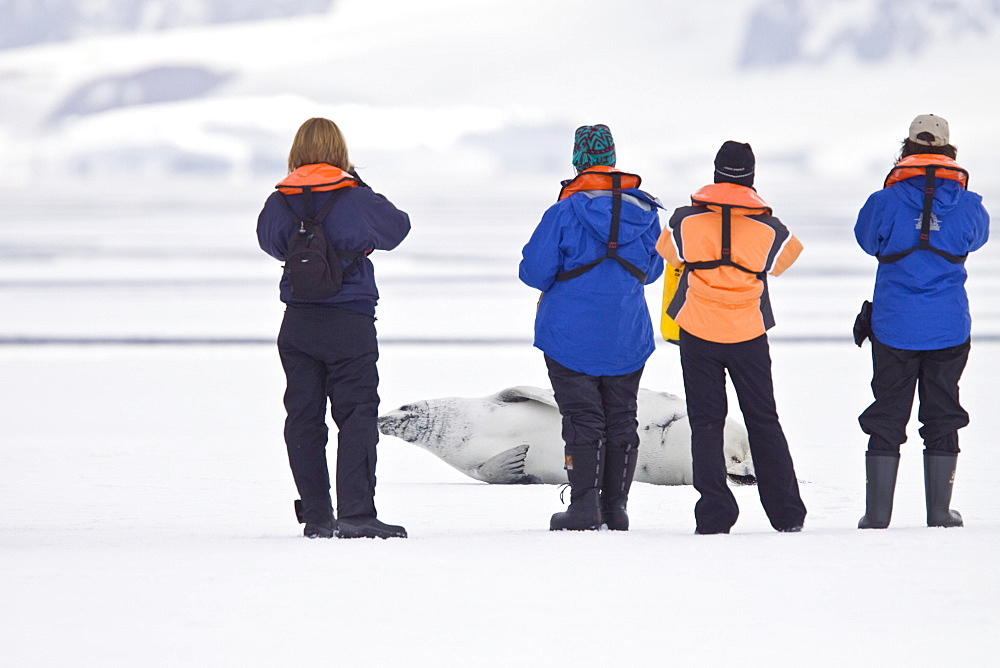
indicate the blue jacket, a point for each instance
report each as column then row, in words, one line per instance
column 361, row 220
column 920, row 301
column 597, row 323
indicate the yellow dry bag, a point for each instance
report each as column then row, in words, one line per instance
column 670, row 330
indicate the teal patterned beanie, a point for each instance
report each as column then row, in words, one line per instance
column 593, row 145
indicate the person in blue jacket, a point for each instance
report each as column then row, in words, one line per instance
column 328, row 347
column 920, row 226
column 591, row 256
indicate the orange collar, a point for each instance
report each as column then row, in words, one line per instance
column 916, row 165
column 730, row 194
column 316, row 177
column 597, row 178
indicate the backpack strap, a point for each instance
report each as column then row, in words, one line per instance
column 930, row 185
column 317, row 218
column 311, row 216
column 288, row 207
column 727, row 253
column 612, row 248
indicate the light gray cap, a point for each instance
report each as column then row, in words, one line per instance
column 934, row 125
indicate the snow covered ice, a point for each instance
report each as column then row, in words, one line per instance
column 147, row 519
column 145, row 499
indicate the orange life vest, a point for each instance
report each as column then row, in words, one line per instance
column 722, row 292
column 597, row 178
column 602, row 177
column 730, row 194
column 318, row 177
column 917, row 165
column 931, row 166
column 725, row 198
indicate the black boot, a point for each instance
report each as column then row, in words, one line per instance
column 585, row 469
column 366, row 527
column 318, row 530
column 880, row 486
column 314, row 529
column 619, row 469
column 939, row 479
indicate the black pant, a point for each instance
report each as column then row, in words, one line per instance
column 331, row 353
column 935, row 375
column 596, row 409
column 704, row 364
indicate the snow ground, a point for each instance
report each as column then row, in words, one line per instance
column 146, row 520
column 145, row 499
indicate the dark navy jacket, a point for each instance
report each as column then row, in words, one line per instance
column 360, row 220
column 920, row 301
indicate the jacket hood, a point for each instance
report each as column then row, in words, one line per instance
column 946, row 194
column 590, row 195
column 638, row 213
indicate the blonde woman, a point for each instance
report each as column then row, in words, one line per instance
column 327, row 341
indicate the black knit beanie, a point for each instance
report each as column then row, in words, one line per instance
column 734, row 163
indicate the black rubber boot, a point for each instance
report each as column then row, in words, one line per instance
column 585, row 470
column 880, row 486
column 939, row 480
column 318, row 530
column 314, row 529
column 619, row 470
column 366, row 527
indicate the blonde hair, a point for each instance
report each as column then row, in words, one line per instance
column 318, row 140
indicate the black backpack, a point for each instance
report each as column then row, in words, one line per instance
column 313, row 266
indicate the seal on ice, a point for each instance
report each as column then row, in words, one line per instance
column 514, row 437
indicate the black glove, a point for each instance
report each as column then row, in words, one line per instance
column 863, row 324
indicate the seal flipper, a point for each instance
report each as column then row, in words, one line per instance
column 527, row 393
column 507, row 468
